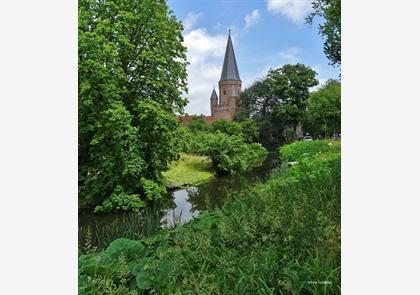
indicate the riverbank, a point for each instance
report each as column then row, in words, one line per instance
column 279, row 235
column 189, row 170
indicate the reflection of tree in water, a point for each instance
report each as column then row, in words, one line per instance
column 212, row 195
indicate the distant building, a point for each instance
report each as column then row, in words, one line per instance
column 223, row 106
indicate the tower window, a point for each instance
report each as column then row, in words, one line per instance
column 224, row 91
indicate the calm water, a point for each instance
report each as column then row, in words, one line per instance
column 178, row 206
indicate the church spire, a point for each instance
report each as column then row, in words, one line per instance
column 214, row 94
column 230, row 68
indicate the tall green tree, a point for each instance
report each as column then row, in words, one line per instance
column 330, row 29
column 323, row 117
column 278, row 102
column 132, row 72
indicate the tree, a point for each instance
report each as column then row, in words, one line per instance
column 230, row 128
column 278, row 102
column 290, row 85
column 323, row 117
column 132, row 71
column 250, row 130
column 330, row 10
column 198, row 124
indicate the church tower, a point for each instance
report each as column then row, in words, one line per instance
column 214, row 101
column 229, row 87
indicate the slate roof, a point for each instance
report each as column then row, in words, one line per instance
column 214, row 94
column 230, row 68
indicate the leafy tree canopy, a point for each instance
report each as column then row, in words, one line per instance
column 198, row 124
column 330, row 11
column 132, row 71
column 278, row 102
column 230, row 128
column 323, row 117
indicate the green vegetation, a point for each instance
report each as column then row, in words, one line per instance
column 229, row 153
column 277, row 103
column 132, row 71
column 188, row 170
column 229, row 128
column 300, row 150
column 275, row 238
column 330, row 29
column 323, row 116
column 120, row 201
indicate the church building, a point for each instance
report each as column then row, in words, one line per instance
column 223, row 106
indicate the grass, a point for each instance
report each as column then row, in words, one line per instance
column 189, row 170
column 278, row 237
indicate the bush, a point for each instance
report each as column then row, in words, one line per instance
column 198, row 124
column 229, row 154
column 120, row 201
column 229, row 128
column 250, row 130
column 151, row 189
column 303, row 149
column 273, row 238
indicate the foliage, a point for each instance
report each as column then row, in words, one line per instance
column 278, row 102
column 323, row 117
column 188, row 170
column 120, row 201
column 304, row 149
column 330, row 11
column 152, row 190
column 250, row 131
column 97, row 235
column 229, row 128
column 198, row 124
column 274, row 238
column 229, row 154
column 132, row 71
column 110, row 271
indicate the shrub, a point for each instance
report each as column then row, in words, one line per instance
column 120, row 201
column 229, row 154
column 229, row 128
column 151, row 189
column 250, row 130
column 198, row 124
column 302, row 149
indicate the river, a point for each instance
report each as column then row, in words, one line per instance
column 178, row 206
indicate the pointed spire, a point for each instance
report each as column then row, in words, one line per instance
column 214, row 94
column 230, row 68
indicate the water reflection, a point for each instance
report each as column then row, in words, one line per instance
column 192, row 201
column 183, row 209
column 179, row 206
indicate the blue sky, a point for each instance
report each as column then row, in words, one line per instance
column 266, row 34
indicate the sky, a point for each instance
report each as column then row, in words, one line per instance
column 265, row 33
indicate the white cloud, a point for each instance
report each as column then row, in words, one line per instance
column 321, row 79
column 252, row 18
column 191, row 20
column 290, row 56
column 273, row 61
column 205, row 54
column 295, row 10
